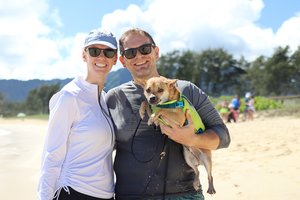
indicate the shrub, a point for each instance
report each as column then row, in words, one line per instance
column 261, row 103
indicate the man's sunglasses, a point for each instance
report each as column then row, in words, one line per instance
column 145, row 49
column 95, row 52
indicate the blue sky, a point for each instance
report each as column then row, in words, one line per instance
column 276, row 12
column 43, row 38
column 90, row 12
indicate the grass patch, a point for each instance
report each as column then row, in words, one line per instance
column 39, row 117
column 42, row 117
column 291, row 107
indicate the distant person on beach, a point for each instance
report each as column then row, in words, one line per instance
column 250, row 109
column 224, row 110
column 235, row 106
column 77, row 157
column 231, row 114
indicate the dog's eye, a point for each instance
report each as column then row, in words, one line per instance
column 148, row 90
column 160, row 90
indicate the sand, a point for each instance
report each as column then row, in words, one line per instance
column 21, row 144
column 262, row 162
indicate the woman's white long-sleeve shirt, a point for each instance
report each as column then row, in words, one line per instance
column 79, row 143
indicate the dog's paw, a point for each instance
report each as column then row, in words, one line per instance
column 156, row 123
column 150, row 122
column 142, row 113
column 151, row 119
column 142, row 110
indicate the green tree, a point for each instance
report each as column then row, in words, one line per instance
column 2, row 103
column 218, row 73
column 168, row 64
column 38, row 99
column 186, row 63
column 295, row 74
column 255, row 77
column 278, row 72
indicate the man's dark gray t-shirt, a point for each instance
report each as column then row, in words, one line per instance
column 141, row 170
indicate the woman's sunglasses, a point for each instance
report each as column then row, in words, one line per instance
column 95, row 52
column 145, row 49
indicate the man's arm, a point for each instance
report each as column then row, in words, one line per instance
column 185, row 135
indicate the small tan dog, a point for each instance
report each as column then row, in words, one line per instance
column 163, row 97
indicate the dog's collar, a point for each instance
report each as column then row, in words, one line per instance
column 172, row 104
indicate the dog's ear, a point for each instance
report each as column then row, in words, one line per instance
column 172, row 83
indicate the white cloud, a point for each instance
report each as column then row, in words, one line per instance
column 33, row 47
column 289, row 33
column 202, row 24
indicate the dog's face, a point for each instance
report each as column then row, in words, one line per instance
column 160, row 89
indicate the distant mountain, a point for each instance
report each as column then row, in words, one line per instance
column 17, row 90
column 116, row 78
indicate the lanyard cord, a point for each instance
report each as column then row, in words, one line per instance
column 132, row 145
column 164, row 152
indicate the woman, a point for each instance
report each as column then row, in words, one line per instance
column 251, row 108
column 77, row 157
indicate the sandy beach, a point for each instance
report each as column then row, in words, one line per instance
column 263, row 161
column 21, row 144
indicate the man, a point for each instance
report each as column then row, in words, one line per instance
column 235, row 103
column 149, row 164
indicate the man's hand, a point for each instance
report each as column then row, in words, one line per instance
column 184, row 135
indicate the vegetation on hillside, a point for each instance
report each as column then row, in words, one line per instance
column 215, row 71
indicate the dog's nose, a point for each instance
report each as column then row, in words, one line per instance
column 152, row 99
